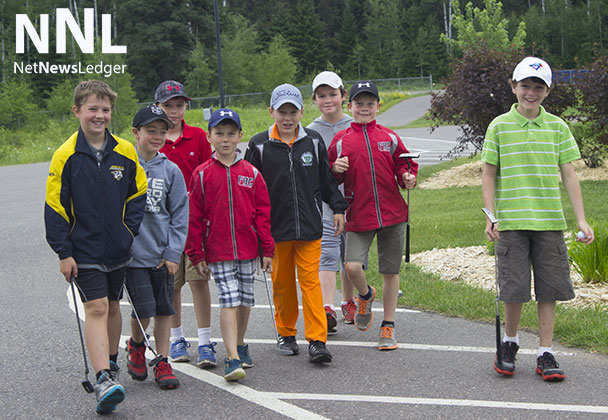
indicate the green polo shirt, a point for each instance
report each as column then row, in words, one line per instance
column 528, row 154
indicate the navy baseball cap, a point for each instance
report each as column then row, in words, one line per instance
column 169, row 89
column 150, row 113
column 363, row 86
column 223, row 114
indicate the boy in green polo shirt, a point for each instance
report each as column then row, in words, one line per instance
column 524, row 151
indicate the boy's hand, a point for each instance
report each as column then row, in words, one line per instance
column 589, row 234
column 338, row 224
column 68, row 268
column 267, row 264
column 409, row 180
column 171, row 266
column 201, row 268
column 491, row 231
column 340, row 165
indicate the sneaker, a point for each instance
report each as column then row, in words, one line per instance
column 548, row 368
column 206, row 355
column 348, row 311
column 109, row 393
column 318, row 353
column 164, row 376
column 332, row 320
column 114, row 371
column 179, row 351
column 364, row 315
column 244, row 356
column 233, row 370
column 507, row 365
column 387, row 339
column 136, row 360
column 287, row 346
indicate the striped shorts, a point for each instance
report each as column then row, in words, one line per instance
column 234, row 281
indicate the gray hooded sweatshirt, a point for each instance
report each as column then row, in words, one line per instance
column 328, row 131
column 162, row 234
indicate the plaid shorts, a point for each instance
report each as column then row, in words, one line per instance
column 234, row 281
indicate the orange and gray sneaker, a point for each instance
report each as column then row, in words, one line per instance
column 164, row 376
column 364, row 315
column 387, row 339
column 348, row 311
column 548, row 368
column 332, row 320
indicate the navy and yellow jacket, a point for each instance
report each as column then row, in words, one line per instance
column 93, row 211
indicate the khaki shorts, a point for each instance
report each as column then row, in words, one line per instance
column 390, row 243
column 547, row 252
column 187, row 272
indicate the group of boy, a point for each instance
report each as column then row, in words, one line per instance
column 283, row 205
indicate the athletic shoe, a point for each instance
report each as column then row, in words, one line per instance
column 114, row 371
column 136, row 360
column 179, row 351
column 387, row 339
column 348, row 311
column 109, row 393
column 287, row 346
column 548, row 368
column 507, row 365
column 244, row 356
column 164, row 376
column 318, row 353
column 332, row 320
column 206, row 355
column 364, row 315
column 233, row 370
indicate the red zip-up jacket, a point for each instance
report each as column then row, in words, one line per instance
column 371, row 183
column 229, row 213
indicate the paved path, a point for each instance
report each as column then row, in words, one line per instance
column 442, row 369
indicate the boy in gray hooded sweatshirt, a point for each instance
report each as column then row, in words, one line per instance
column 158, row 248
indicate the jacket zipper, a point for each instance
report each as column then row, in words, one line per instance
column 295, row 193
column 375, row 187
column 231, row 213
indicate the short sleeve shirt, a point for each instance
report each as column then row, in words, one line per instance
column 528, row 154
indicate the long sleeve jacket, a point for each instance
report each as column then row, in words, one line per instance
column 229, row 213
column 371, row 183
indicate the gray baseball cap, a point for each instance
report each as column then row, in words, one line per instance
column 286, row 93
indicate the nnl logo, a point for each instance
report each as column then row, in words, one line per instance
column 65, row 19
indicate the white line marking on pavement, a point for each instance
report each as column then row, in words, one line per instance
column 264, row 399
column 427, row 139
column 440, row 401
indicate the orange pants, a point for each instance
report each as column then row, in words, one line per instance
column 305, row 256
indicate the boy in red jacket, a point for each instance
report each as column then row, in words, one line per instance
column 365, row 157
column 229, row 215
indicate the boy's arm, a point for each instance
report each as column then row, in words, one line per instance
column 488, row 191
column 194, row 240
column 573, row 188
column 136, row 201
column 329, row 184
column 261, row 219
column 177, row 206
column 332, row 156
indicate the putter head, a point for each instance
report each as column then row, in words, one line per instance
column 155, row 361
column 88, row 386
column 409, row 155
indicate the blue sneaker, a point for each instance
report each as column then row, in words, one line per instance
column 109, row 393
column 179, row 351
column 206, row 355
column 233, row 370
column 244, row 356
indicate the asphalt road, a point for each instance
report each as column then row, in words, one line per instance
column 442, row 369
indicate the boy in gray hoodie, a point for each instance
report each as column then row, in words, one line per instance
column 158, row 248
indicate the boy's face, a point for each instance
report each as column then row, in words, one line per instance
column 150, row 138
column 175, row 108
column 530, row 93
column 364, row 108
column 224, row 138
column 94, row 115
column 329, row 100
column 287, row 118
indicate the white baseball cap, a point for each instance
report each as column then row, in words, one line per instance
column 328, row 78
column 533, row 67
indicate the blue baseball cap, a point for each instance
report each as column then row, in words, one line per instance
column 284, row 94
column 222, row 114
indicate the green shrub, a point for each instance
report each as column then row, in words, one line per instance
column 591, row 144
column 591, row 261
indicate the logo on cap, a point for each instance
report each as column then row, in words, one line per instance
column 360, row 85
column 536, row 66
column 169, row 88
column 224, row 113
column 156, row 110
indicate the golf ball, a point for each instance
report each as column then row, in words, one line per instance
column 581, row 235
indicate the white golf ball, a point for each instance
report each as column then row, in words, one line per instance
column 581, row 235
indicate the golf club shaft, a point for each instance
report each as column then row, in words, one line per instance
column 270, row 303
column 498, row 337
column 141, row 327
column 86, row 384
column 407, row 227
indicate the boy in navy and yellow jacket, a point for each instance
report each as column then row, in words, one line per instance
column 95, row 197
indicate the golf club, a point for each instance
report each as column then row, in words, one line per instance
column 86, row 384
column 493, row 220
column 157, row 357
column 274, row 323
column 407, row 157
